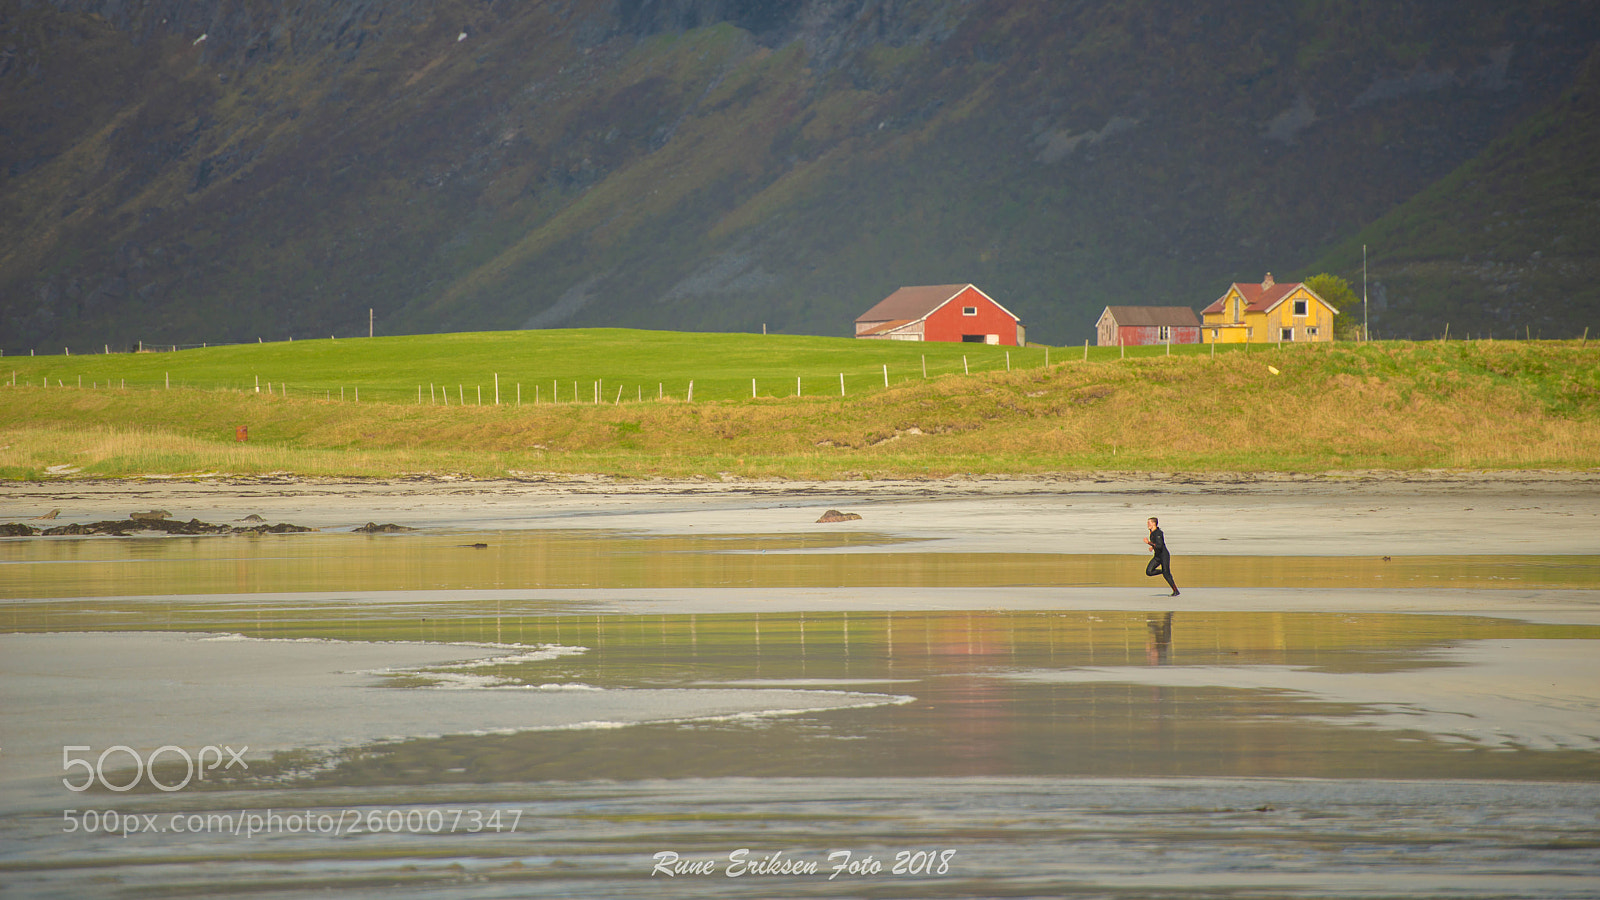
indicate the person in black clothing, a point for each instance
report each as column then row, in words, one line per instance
column 1161, row 563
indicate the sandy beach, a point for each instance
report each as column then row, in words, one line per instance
column 714, row 669
column 1283, row 515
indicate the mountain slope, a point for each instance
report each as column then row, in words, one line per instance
column 181, row 173
column 1508, row 245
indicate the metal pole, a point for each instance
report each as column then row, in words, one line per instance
column 1364, row 327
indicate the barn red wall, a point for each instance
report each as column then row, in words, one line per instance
column 1144, row 336
column 948, row 324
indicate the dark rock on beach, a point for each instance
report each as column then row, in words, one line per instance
column 375, row 528
column 280, row 528
column 833, row 515
column 125, row 527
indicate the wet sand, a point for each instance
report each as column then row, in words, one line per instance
column 146, row 690
column 1333, row 515
column 1061, row 739
column 1551, row 606
column 1542, row 695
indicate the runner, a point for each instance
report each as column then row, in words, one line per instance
column 1161, row 563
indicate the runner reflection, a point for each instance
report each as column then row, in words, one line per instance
column 1157, row 649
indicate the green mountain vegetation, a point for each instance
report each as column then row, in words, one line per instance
column 184, row 173
column 1505, row 244
column 370, row 408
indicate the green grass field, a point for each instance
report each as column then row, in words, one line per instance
column 1502, row 405
column 564, row 365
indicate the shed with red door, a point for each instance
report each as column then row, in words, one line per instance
column 941, row 312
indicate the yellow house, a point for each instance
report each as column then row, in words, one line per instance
column 1267, row 313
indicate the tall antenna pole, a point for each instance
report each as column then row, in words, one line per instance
column 1363, row 293
column 369, row 316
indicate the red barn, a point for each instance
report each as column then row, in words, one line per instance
column 941, row 312
column 1138, row 326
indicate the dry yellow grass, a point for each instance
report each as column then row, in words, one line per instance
column 1497, row 406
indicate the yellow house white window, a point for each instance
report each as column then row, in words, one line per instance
column 1286, row 334
column 1300, row 307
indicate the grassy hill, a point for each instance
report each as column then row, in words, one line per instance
column 178, row 172
column 1384, row 405
column 560, row 365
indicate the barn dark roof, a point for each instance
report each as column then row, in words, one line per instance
column 1148, row 316
column 913, row 303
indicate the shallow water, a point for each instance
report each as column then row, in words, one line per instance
column 1099, row 753
column 100, row 567
column 966, row 837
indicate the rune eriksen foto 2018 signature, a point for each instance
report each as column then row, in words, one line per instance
column 839, row 862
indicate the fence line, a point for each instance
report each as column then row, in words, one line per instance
column 438, row 393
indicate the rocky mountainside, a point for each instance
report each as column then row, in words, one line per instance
column 181, row 172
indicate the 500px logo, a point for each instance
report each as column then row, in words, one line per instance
column 144, row 767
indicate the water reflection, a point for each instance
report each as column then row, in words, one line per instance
column 242, row 564
column 988, row 750
column 970, row 716
column 1160, row 644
